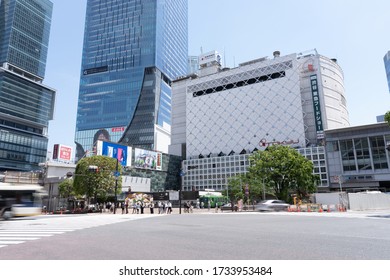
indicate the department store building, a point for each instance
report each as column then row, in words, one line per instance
column 222, row 115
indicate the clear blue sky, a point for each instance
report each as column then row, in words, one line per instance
column 353, row 31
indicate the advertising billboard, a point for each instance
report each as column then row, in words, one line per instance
column 120, row 152
column 210, row 57
column 147, row 159
column 62, row 152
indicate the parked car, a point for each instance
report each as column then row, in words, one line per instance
column 272, row 205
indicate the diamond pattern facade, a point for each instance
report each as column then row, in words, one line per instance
column 243, row 106
column 229, row 114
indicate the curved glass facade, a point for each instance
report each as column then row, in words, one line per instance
column 386, row 60
column 124, row 40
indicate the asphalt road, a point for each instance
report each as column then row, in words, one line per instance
column 207, row 236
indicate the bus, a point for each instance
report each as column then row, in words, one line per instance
column 20, row 200
column 213, row 197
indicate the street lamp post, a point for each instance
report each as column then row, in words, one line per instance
column 340, row 181
column 116, row 184
column 263, row 189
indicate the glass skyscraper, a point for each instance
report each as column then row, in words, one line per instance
column 386, row 60
column 132, row 51
column 26, row 105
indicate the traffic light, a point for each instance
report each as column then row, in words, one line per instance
column 93, row 169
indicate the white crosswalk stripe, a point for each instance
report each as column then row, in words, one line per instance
column 10, row 242
column 13, row 236
column 20, row 231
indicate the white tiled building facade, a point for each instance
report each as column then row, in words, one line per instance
column 219, row 119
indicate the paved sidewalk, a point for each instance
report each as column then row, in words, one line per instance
column 385, row 213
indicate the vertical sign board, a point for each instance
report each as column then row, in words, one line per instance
column 317, row 107
column 120, row 152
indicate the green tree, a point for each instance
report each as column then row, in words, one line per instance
column 100, row 182
column 235, row 190
column 66, row 190
column 387, row 117
column 284, row 171
column 237, row 186
column 257, row 187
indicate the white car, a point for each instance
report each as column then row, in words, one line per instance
column 272, row 205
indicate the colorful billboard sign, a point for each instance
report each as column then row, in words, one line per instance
column 120, row 152
column 62, row 152
column 147, row 159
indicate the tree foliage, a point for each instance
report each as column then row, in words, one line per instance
column 237, row 188
column 97, row 184
column 65, row 188
column 284, row 172
column 387, row 117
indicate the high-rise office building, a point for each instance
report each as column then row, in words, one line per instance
column 386, row 60
column 26, row 105
column 132, row 51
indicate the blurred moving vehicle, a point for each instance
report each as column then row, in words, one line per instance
column 272, row 205
column 228, row 207
column 20, row 200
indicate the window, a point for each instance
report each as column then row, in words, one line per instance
column 378, row 152
column 362, row 154
column 347, row 155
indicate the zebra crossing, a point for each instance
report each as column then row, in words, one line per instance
column 19, row 231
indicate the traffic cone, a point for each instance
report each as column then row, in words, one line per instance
column 308, row 208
